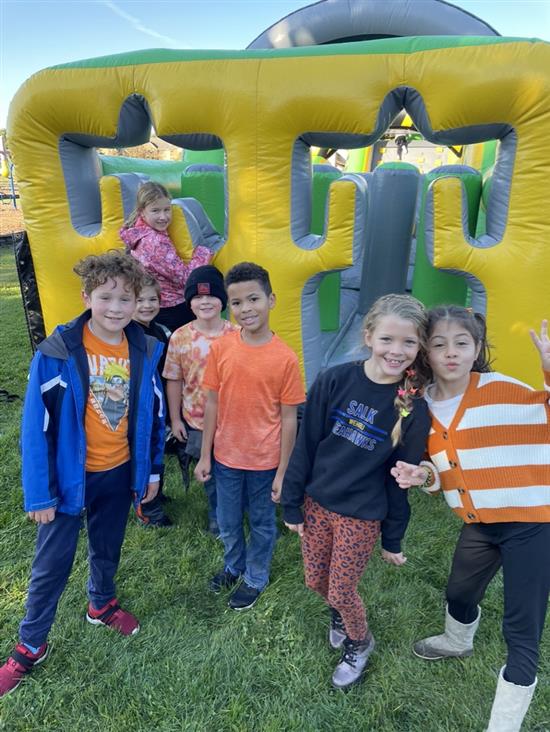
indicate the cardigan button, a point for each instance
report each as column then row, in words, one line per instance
column 445, row 435
column 471, row 516
column 452, row 464
column 461, row 490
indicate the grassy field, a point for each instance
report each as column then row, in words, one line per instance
column 198, row 666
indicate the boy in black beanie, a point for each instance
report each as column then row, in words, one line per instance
column 184, row 368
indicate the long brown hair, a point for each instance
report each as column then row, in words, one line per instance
column 474, row 323
column 415, row 377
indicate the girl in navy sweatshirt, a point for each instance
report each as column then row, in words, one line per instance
column 338, row 494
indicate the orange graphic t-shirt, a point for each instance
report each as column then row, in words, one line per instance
column 106, row 420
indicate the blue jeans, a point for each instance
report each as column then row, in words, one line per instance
column 211, row 496
column 107, row 500
column 237, row 489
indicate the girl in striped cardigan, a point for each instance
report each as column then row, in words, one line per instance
column 490, row 444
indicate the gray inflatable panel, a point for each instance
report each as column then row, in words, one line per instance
column 334, row 21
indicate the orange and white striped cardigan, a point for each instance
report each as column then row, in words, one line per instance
column 494, row 458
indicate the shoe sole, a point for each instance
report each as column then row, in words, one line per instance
column 22, row 679
column 246, row 607
column 96, row 621
column 441, row 657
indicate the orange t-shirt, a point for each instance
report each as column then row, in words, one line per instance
column 252, row 382
column 106, row 420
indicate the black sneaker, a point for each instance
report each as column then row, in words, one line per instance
column 152, row 514
column 244, row 597
column 223, row 580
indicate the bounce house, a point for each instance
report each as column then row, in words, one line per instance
column 332, row 76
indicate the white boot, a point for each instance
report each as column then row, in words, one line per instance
column 456, row 642
column 510, row 705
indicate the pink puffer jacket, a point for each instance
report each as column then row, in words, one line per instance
column 155, row 251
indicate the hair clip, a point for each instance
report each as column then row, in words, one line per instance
column 413, row 390
column 402, row 392
column 410, row 373
column 404, row 412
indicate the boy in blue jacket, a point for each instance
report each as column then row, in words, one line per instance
column 92, row 436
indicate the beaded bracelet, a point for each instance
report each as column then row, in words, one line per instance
column 430, row 478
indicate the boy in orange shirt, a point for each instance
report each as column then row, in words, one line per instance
column 253, row 386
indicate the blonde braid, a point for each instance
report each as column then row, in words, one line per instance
column 407, row 390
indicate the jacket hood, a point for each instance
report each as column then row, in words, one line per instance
column 68, row 337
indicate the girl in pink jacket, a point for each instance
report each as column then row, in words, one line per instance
column 146, row 237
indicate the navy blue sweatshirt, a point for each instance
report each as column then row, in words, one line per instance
column 344, row 452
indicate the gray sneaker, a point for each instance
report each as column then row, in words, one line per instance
column 337, row 630
column 353, row 663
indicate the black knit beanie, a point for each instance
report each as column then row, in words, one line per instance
column 206, row 280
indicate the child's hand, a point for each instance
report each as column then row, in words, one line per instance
column 45, row 516
column 542, row 344
column 178, row 430
column 151, row 492
column 203, row 470
column 407, row 475
column 298, row 528
column 397, row 559
column 276, row 488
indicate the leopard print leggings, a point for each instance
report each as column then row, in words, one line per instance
column 336, row 550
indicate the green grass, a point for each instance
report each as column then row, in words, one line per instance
column 196, row 665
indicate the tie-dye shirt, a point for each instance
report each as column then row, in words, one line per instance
column 186, row 360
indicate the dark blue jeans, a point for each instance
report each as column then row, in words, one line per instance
column 237, row 489
column 107, row 504
column 212, row 498
column 523, row 552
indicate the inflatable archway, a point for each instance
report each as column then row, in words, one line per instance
column 457, row 91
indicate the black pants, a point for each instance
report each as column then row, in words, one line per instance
column 523, row 552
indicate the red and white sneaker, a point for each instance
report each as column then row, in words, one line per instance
column 113, row 616
column 20, row 663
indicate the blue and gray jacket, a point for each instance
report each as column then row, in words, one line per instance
column 53, row 436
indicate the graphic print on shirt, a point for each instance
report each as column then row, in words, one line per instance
column 109, row 389
column 356, row 424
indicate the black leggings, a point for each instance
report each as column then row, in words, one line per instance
column 523, row 552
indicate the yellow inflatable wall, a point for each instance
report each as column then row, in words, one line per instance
column 258, row 103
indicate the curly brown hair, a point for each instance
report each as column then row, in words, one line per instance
column 96, row 269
